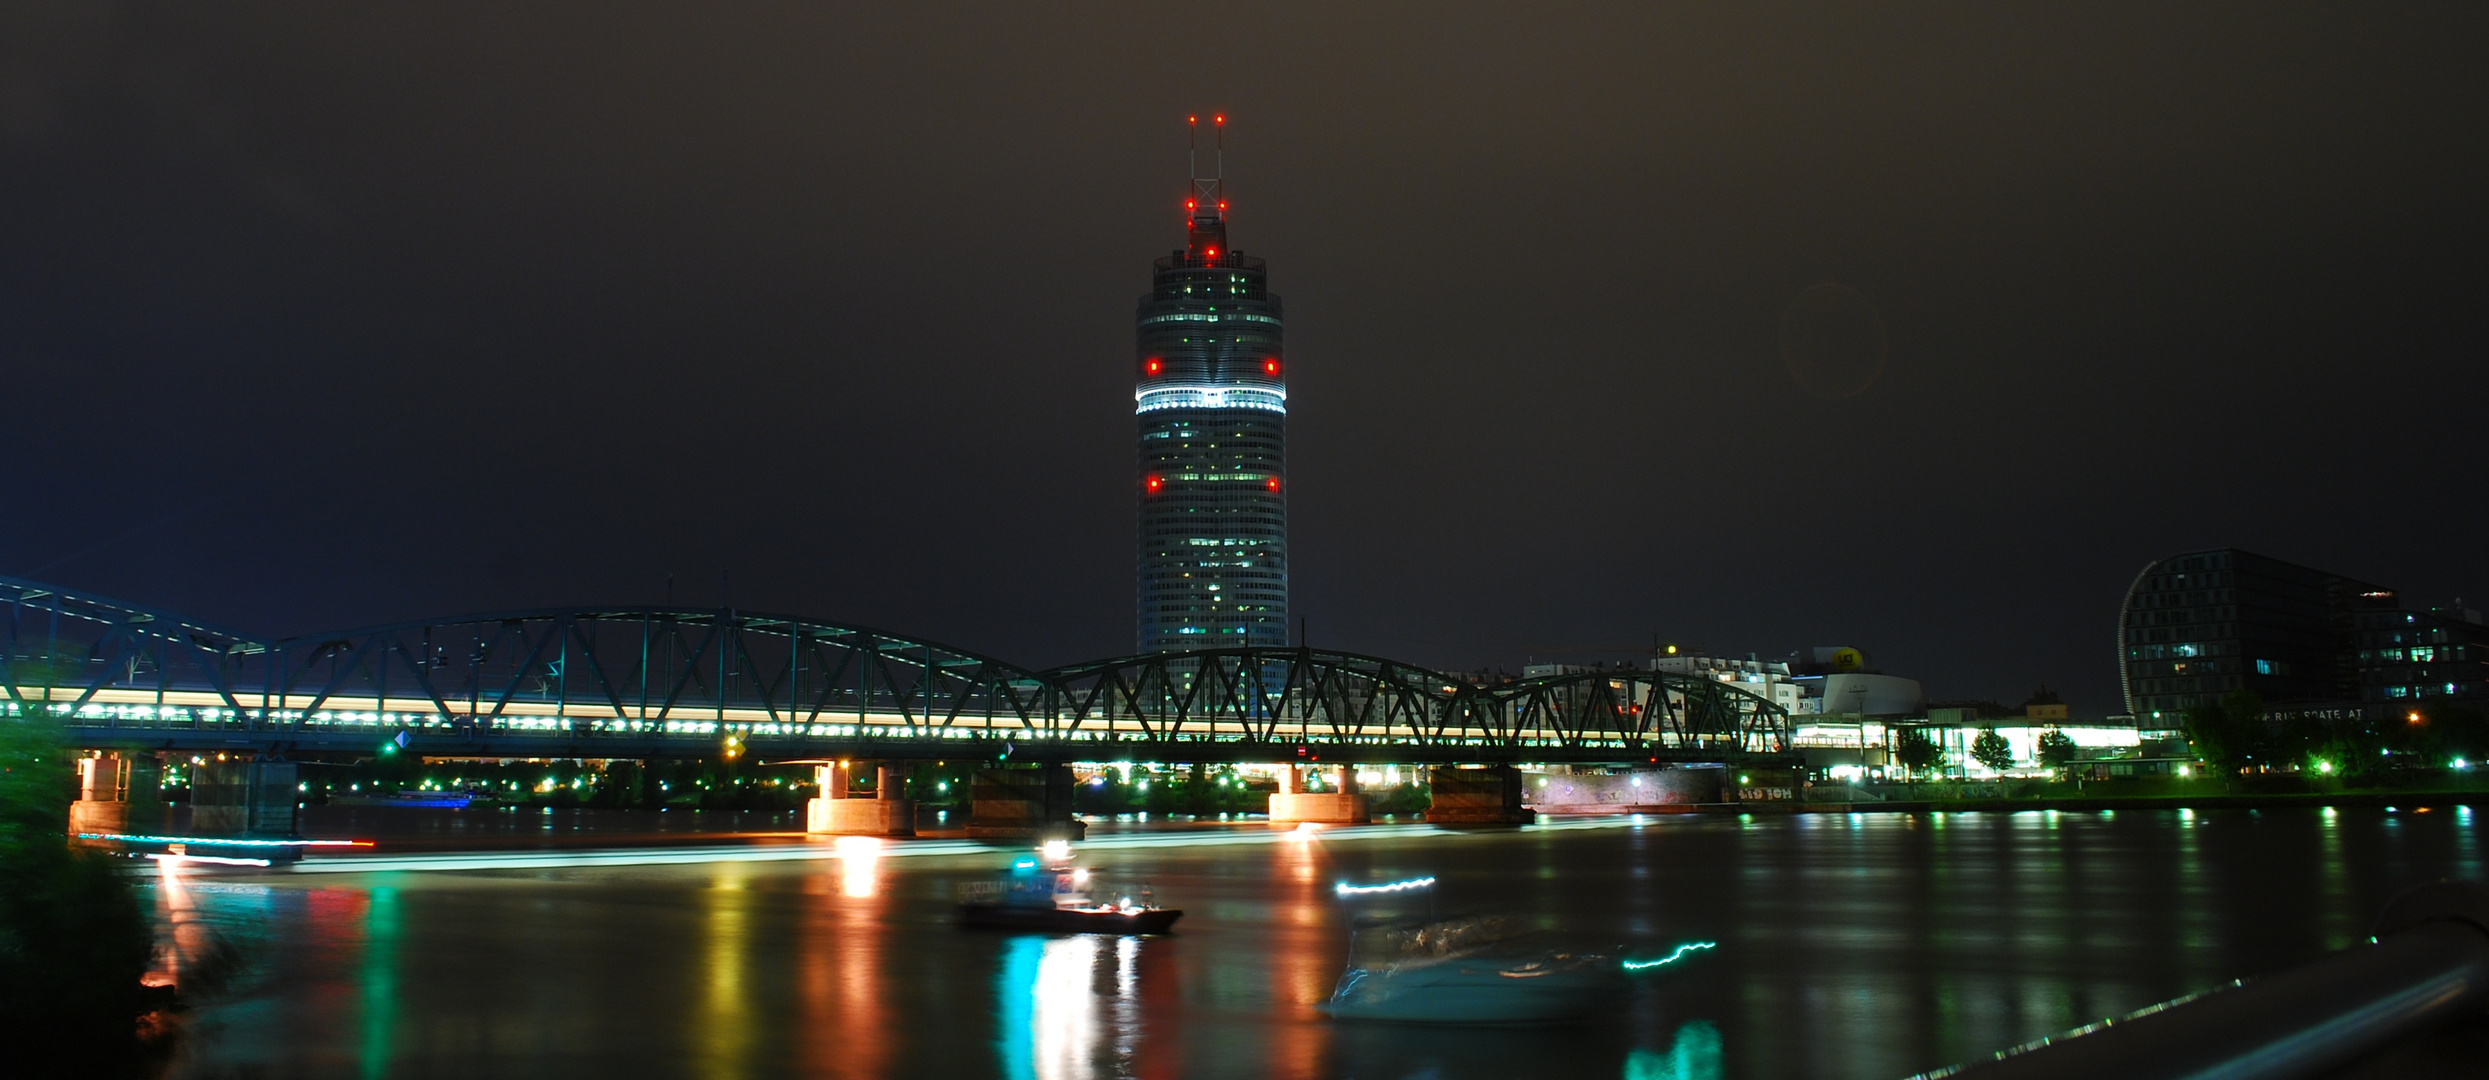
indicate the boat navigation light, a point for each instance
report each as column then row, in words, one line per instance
column 1638, row 965
column 1346, row 889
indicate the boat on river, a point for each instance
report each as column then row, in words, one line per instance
column 1469, row 970
column 1053, row 896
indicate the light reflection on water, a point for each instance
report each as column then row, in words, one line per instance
column 1857, row 946
column 1046, row 1006
column 1693, row 1055
column 381, row 933
column 725, row 1028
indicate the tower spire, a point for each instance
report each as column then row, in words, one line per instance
column 1206, row 205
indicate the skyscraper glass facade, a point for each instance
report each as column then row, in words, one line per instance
column 1212, row 404
column 2416, row 656
column 2205, row 624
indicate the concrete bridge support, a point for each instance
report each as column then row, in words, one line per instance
column 232, row 798
column 1292, row 804
column 1636, row 791
column 840, row 812
column 118, row 793
column 1489, row 796
column 1023, row 803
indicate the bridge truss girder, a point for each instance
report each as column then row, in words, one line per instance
column 669, row 681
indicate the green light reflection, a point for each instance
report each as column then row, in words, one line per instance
column 1694, row 1054
column 381, row 931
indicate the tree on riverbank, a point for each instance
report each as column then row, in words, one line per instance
column 1916, row 751
column 2228, row 734
column 74, row 936
column 1992, row 750
column 2056, row 749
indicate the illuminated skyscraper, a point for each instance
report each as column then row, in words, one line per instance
column 1212, row 404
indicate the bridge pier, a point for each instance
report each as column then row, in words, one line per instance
column 1636, row 791
column 1488, row 796
column 230, row 798
column 117, row 792
column 1008, row 803
column 839, row 812
column 1292, row 804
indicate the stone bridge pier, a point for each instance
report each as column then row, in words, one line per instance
column 1342, row 805
column 838, row 811
column 1488, row 796
column 1023, row 803
column 243, row 798
column 119, row 793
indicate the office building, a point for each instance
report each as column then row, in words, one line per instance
column 2199, row 626
column 2413, row 657
column 1212, row 404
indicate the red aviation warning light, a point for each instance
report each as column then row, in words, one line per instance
column 1270, row 366
column 1205, row 205
column 1154, row 483
column 1272, row 483
column 1153, row 366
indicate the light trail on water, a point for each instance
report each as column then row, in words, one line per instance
column 614, row 857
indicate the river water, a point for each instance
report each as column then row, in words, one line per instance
column 1869, row 945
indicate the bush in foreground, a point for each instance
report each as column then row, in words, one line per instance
column 74, row 936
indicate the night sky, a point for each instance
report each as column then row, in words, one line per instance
column 312, row 318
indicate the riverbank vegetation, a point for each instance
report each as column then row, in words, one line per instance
column 2237, row 737
column 75, row 936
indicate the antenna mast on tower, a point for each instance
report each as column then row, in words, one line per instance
column 1206, row 206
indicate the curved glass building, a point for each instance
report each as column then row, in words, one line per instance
column 2204, row 624
column 1211, row 398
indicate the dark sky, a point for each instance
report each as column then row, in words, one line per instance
column 314, row 317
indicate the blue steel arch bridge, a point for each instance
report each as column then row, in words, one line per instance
column 656, row 682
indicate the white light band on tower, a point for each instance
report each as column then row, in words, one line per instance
column 1265, row 398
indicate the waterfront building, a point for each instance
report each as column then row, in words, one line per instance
column 2201, row 625
column 2409, row 657
column 1211, row 400
column 1836, row 680
column 1766, row 679
column 2045, row 705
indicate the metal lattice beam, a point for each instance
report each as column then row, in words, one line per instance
column 667, row 681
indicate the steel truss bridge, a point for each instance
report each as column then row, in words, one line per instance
column 654, row 682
